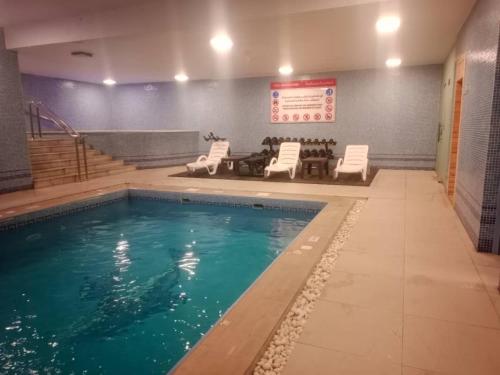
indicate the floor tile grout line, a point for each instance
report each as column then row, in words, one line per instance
column 404, row 274
column 452, row 322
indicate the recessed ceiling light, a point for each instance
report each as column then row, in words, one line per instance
column 388, row 24
column 181, row 77
column 393, row 62
column 221, row 43
column 109, row 82
column 285, row 70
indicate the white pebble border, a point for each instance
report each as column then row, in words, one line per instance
column 276, row 356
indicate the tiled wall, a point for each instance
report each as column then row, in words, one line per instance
column 478, row 164
column 491, row 210
column 396, row 112
column 147, row 149
column 82, row 105
column 15, row 167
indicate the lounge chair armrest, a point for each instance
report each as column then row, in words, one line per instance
column 340, row 162
column 273, row 161
column 201, row 158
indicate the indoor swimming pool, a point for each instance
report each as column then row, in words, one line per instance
column 129, row 286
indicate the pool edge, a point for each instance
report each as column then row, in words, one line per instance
column 268, row 298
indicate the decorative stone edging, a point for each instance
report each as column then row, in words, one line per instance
column 277, row 353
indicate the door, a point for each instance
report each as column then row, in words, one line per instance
column 455, row 131
column 445, row 120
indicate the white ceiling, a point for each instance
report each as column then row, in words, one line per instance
column 146, row 41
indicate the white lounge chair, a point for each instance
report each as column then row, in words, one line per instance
column 355, row 161
column 218, row 150
column 287, row 161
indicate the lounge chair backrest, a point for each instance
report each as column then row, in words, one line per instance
column 218, row 150
column 289, row 153
column 356, row 155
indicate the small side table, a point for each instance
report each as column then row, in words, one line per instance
column 236, row 162
column 254, row 163
column 320, row 163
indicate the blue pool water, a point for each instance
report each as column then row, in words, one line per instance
column 129, row 287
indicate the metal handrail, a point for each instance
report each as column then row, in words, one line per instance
column 45, row 113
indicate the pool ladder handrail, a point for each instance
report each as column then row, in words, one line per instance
column 39, row 111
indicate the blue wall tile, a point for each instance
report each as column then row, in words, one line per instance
column 15, row 166
column 396, row 111
column 478, row 163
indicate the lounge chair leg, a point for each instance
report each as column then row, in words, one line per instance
column 213, row 171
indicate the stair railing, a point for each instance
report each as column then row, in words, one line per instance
column 38, row 111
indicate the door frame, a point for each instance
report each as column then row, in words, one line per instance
column 455, row 129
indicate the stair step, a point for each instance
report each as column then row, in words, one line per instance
column 51, row 181
column 47, row 156
column 53, row 162
column 51, row 141
column 50, row 164
column 67, row 170
column 54, row 148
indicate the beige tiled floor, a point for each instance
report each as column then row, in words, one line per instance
column 409, row 294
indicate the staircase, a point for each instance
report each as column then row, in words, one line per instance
column 54, row 162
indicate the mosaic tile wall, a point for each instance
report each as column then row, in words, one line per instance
column 396, row 112
column 147, row 149
column 15, row 166
column 177, row 197
column 476, row 182
column 491, row 195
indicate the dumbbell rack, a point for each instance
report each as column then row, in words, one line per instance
column 212, row 137
column 274, row 141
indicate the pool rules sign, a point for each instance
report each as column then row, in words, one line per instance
column 305, row 101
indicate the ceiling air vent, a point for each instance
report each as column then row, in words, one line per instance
column 81, row 54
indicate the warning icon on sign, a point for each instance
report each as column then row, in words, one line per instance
column 306, row 116
column 328, row 116
column 317, row 117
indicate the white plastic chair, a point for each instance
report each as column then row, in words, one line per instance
column 218, row 150
column 355, row 161
column 287, row 161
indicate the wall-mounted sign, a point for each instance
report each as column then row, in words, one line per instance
column 311, row 100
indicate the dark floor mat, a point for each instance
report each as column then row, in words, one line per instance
column 343, row 179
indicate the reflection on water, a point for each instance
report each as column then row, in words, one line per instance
column 121, row 255
column 188, row 263
column 123, row 300
column 129, row 287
